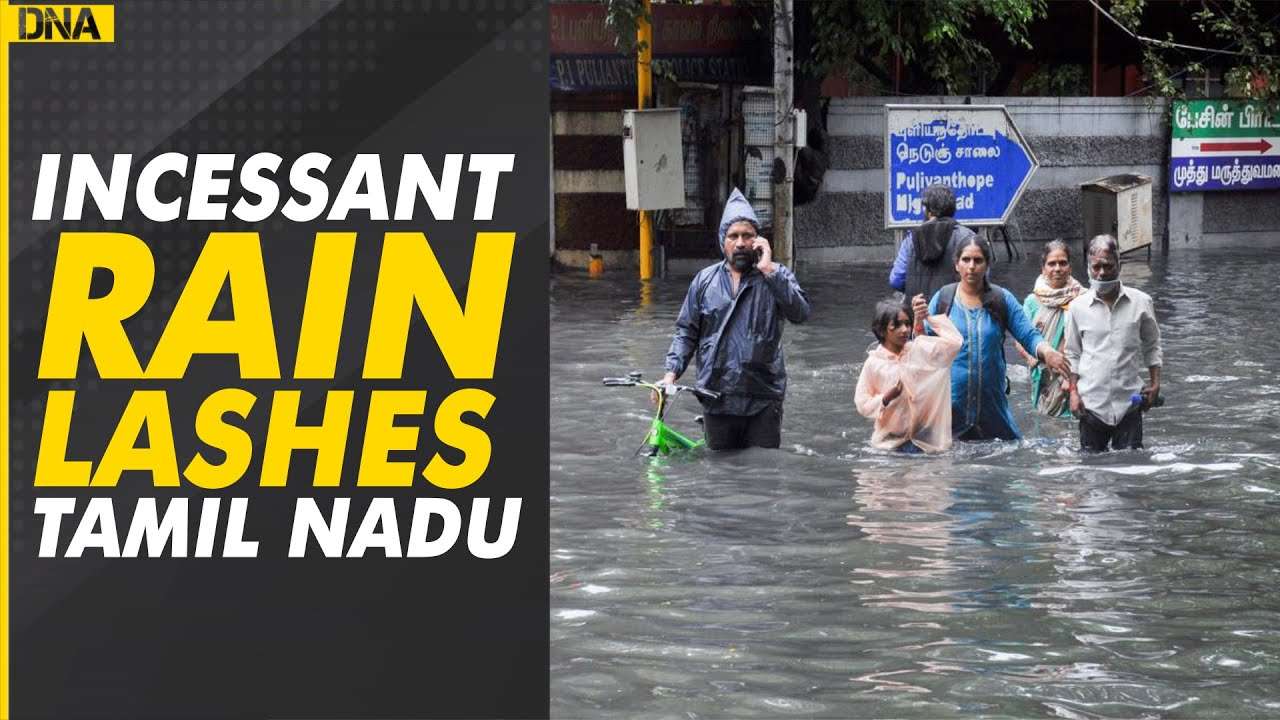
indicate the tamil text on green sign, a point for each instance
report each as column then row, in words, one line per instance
column 1224, row 145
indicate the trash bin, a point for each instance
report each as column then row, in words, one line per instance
column 1118, row 205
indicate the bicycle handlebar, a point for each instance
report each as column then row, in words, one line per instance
column 632, row 382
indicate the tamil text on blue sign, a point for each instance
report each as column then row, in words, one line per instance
column 975, row 150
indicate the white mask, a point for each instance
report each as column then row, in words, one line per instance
column 1104, row 287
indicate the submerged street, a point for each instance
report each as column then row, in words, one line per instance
column 829, row 579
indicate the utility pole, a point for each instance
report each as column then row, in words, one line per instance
column 1095, row 51
column 644, row 98
column 783, row 130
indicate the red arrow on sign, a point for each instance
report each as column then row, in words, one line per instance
column 1260, row 145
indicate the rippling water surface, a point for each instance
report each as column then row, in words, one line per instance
column 1009, row 580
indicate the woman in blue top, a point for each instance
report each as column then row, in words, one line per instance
column 979, row 404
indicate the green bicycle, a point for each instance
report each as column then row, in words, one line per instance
column 662, row 439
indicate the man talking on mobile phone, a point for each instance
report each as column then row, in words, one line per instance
column 732, row 319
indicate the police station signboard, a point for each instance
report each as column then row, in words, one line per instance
column 694, row 43
column 976, row 150
column 1224, row 145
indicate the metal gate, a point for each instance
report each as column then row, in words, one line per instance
column 757, row 126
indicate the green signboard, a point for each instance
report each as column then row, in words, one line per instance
column 1224, row 145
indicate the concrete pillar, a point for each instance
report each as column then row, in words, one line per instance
column 551, row 184
column 1186, row 220
column 783, row 139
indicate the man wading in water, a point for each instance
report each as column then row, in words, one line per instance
column 1111, row 335
column 733, row 319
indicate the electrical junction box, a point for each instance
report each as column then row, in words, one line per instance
column 800, row 127
column 1120, row 206
column 652, row 159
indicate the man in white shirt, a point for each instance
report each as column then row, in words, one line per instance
column 1111, row 334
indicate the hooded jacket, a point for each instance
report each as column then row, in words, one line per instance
column 737, row 338
column 736, row 209
column 931, row 263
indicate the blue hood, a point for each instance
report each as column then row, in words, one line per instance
column 736, row 209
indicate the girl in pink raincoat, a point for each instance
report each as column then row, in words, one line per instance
column 905, row 384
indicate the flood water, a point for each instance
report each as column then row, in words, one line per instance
column 999, row 580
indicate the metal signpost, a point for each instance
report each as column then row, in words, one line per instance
column 1223, row 145
column 974, row 149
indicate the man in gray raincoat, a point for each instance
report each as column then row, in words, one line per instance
column 732, row 319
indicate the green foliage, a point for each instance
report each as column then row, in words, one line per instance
column 623, row 17
column 1060, row 81
column 858, row 37
column 1251, row 67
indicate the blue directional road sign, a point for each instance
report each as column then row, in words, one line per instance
column 974, row 149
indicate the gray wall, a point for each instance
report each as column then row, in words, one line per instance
column 1239, row 218
column 1075, row 139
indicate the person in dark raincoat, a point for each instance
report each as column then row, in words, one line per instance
column 732, row 319
column 926, row 258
